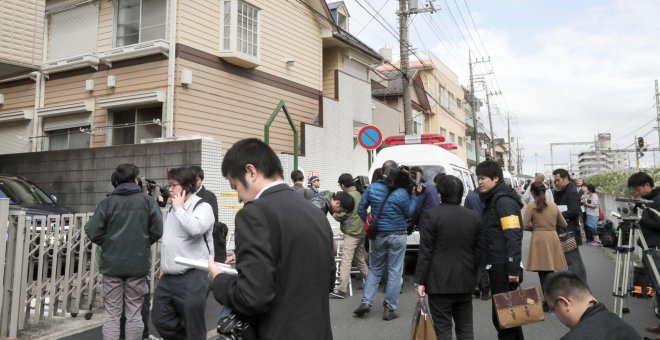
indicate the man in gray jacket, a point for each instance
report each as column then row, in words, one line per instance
column 125, row 225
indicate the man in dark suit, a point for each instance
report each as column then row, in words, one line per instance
column 449, row 257
column 219, row 229
column 283, row 251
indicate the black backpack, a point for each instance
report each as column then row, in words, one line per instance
column 607, row 234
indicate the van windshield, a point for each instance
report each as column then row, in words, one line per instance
column 21, row 192
column 430, row 171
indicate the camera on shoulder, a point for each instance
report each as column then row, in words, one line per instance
column 401, row 177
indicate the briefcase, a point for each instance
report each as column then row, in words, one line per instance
column 519, row 307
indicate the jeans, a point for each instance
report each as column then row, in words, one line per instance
column 386, row 252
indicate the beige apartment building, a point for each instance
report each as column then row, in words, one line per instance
column 93, row 73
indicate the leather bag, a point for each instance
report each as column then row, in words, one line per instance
column 567, row 241
column 422, row 323
column 519, row 307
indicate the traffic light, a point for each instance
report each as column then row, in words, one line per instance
column 640, row 142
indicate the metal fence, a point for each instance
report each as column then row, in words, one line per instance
column 48, row 268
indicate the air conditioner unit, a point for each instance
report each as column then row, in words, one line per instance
column 135, row 51
column 88, row 60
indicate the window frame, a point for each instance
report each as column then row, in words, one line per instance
column 115, row 18
column 68, row 139
column 234, row 52
column 111, row 123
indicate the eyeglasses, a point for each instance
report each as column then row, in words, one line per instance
column 552, row 310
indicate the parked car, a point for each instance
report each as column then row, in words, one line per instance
column 27, row 196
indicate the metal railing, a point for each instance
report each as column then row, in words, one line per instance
column 48, row 267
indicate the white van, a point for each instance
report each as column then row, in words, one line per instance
column 508, row 179
column 432, row 159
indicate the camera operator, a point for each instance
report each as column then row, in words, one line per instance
column 392, row 204
column 643, row 186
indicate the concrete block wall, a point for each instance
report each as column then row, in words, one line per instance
column 81, row 178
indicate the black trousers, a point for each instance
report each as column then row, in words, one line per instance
column 444, row 308
column 482, row 279
column 576, row 233
column 179, row 305
column 499, row 283
column 655, row 254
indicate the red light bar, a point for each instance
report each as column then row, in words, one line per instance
column 448, row 146
column 428, row 138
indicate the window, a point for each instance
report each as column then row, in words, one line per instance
column 66, row 139
column 452, row 137
column 342, row 22
column 460, row 141
column 443, row 132
column 452, row 103
column 130, row 126
column 73, row 31
column 137, row 21
column 240, row 33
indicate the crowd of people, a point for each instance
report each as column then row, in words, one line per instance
column 284, row 246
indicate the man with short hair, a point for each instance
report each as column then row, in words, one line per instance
column 502, row 229
column 180, row 297
column 352, row 231
column 449, row 257
column 283, row 251
column 527, row 196
column 391, row 207
column 571, row 300
column 297, row 177
column 220, row 229
column 334, row 202
column 644, row 187
column 125, row 225
column 567, row 198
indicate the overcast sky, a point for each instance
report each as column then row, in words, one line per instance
column 567, row 69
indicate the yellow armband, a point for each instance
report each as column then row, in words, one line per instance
column 510, row 222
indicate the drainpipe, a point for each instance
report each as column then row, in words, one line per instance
column 170, row 72
column 39, row 94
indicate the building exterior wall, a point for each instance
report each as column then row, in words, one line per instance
column 22, row 31
column 230, row 106
column 332, row 60
column 299, row 39
column 20, row 97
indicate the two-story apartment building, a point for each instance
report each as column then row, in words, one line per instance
column 117, row 72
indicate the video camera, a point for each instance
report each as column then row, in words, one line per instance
column 401, row 177
column 151, row 188
column 627, row 208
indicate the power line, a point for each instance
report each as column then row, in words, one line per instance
column 475, row 27
column 460, row 14
column 372, row 18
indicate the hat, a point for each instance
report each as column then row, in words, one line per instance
column 313, row 179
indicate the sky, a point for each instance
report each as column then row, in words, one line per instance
column 566, row 69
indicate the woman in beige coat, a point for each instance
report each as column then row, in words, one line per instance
column 542, row 218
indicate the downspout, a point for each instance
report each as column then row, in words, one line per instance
column 170, row 72
column 39, row 94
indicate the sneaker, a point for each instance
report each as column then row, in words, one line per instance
column 337, row 294
column 485, row 296
column 362, row 310
column 595, row 244
column 389, row 314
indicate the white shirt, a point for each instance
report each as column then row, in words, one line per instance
column 268, row 186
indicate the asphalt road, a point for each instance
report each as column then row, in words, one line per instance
column 600, row 269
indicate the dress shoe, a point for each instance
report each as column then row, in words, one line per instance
column 389, row 314
column 485, row 296
column 337, row 294
column 654, row 329
column 362, row 310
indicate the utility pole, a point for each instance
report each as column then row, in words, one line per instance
column 657, row 109
column 405, row 10
column 490, row 122
column 518, row 149
column 508, row 136
column 473, row 106
column 636, row 154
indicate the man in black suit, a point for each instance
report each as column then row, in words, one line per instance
column 283, row 251
column 449, row 257
column 219, row 229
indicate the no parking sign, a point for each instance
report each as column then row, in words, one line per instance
column 370, row 137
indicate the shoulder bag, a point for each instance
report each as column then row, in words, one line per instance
column 519, row 307
column 373, row 226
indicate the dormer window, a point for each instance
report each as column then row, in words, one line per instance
column 342, row 22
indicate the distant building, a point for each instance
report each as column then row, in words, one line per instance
column 602, row 158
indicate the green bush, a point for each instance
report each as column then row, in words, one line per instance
column 616, row 183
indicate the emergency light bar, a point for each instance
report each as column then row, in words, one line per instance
column 428, row 138
column 448, row 146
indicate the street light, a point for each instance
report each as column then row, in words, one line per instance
column 536, row 167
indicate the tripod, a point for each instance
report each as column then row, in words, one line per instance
column 623, row 270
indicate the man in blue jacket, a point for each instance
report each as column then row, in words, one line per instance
column 389, row 245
